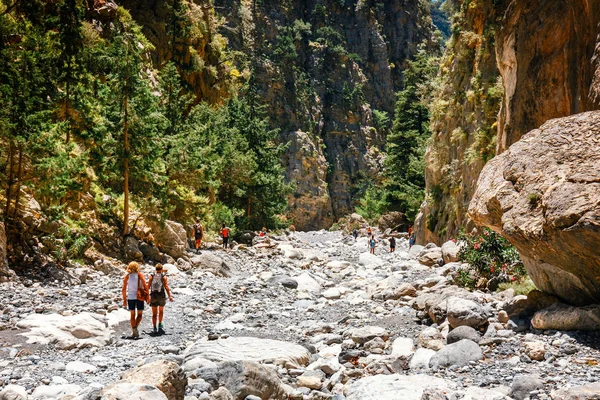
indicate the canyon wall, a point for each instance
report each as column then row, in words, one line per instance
column 547, row 57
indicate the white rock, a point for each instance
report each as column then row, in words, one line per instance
column 184, row 291
column 13, row 392
column 116, row 317
column 394, row 387
column 132, row 391
column 55, row 391
column 79, row 330
column 421, row 358
column 248, row 349
column 78, row 366
column 403, row 347
column 370, row 260
column 332, row 294
column 307, row 283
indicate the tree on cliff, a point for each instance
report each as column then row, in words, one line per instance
column 403, row 186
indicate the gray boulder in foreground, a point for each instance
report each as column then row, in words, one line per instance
column 459, row 354
column 542, row 194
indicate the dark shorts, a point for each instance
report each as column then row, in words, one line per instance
column 225, row 240
column 133, row 304
column 158, row 301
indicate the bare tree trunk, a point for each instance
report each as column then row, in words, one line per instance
column 249, row 202
column 67, row 117
column 126, row 164
column 19, row 176
column 11, row 177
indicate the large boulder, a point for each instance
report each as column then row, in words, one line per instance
column 461, row 312
column 166, row 375
column 459, row 354
column 75, row 331
column 522, row 385
column 211, row 262
column 394, row 387
column 586, row 392
column 51, row 392
column 394, row 220
column 246, row 349
column 170, row 238
column 566, row 318
column 13, row 392
column 430, row 255
column 244, row 378
column 450, row 251
column 5, row 272
column 542, row 195
column 131, row 391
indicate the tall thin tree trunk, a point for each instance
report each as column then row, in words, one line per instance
column 19, row 180
column 126, row 164
column 11, row 177
column 67, row 117
column 249, row 202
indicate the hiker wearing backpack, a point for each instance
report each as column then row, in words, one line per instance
column 392, row 244
column 159, row 290
column 225, row 234
column 198, row 234
column 135, row 292
column 372, row 243
column 355, row 234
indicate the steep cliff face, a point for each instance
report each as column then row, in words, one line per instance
column 323, row 67
column 547, row 55
column 463, row 121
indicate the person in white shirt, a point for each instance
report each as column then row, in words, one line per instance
column 133, row 297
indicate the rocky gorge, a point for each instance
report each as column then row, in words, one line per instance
column 297, row 316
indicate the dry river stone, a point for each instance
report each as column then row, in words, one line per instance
column 211, row 262
column 465, row 312
column 463, row 332
column 80, row 330
column 363, row 335
column 131, row 391
column 13, row 392
column 459, row 354
column 524, row 384
column 586, row 392
column 166, row 375
column 248, row 349
column 244, row 378
column 566, row 318
column 393, row 387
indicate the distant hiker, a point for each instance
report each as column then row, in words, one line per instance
column 263, row 232
column 392, row 244
column 355, row 233
column 369, row 231
column 225, row 233
column 135, row 292
column 411, row 241
column 372, row 243
column 198, row 234
column 159, row 290
column 410, row 229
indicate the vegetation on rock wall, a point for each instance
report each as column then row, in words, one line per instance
column 85, row 118
column 464, row 114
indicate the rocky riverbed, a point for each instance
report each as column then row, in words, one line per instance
column 301, row 316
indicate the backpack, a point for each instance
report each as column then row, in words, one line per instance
column 372, row 242
column 157, row 288
column 198, row 231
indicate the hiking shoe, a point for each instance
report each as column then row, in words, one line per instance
column 136, row 333
column 155, row 331
column 161, row 331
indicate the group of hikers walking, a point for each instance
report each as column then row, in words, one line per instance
column 372, row 242
column 198, row 231
column 136, row 292
column 155, row 292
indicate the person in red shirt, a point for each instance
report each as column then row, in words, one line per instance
column 225, row 235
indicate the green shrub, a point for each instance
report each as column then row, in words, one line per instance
column 523, row 287
column 489, row 256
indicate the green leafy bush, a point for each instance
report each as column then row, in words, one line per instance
column 489, row 256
